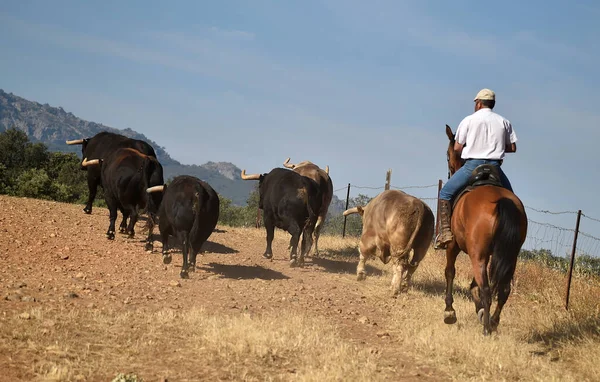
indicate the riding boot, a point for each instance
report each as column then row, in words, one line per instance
column 445, row 236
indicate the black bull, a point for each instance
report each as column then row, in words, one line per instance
column 189, row 211
column 100, row 146
column 290, row 202
column 126, row 174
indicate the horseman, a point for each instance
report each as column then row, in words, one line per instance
column 481, row 138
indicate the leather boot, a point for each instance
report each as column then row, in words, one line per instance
column 445, row 236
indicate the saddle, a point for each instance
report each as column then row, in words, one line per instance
column 484, row 174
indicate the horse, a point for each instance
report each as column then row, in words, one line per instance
column 487, row 221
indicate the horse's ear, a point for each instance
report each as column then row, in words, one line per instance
column 449, row 133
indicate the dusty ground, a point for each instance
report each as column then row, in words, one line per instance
column 57, row 265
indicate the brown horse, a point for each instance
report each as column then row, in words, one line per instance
column 488, row 221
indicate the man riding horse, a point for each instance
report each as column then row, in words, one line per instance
column 481, row 138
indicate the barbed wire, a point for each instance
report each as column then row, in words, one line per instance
column 590, row 218
column 551, row 212
column 589, row 236
column 407, row 187
column 367, row 187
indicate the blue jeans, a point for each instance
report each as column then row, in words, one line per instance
column 461, row 177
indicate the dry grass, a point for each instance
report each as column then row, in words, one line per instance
column 537, row 338
column 76, row 345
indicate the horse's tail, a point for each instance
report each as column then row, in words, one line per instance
column 506, row 243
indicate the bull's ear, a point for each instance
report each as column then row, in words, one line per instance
column 449, row 133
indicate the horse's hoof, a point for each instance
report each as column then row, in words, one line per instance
column 166, row 259
column 110, row 235
column 87, row 211
column 450, row 317
column 192, row 268
column 268, row 255
column 130, row 235
column 361, row 276
column 149, row 247
column 480, row 315
column 293, row 263
column 184, row 275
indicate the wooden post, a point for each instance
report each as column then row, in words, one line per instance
column 437, row 212
column 388, row 179
column 346, row 217
column 572, row 261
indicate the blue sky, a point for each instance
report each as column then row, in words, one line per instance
column 359, row 86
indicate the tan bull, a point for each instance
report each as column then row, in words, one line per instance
column 314, row 172
column 394, row 223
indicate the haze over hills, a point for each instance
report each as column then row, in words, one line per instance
column 53, row 126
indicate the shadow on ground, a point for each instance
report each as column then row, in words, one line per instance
column 208, row 246
column 343, row 266
column 243, row 272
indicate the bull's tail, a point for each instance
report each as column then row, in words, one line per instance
column 196, row 209
column 415, row 232
column 312, row 214
column 506, row 243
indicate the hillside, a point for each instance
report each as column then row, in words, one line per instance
column 53, row 126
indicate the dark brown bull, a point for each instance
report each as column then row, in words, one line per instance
column 289, row 202
column 100, row 146
column 126, row 174
column 321, row 177
column 394, row 223
column 189, row 211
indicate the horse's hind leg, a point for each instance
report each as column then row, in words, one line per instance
column 503, row 293
column 452, row 252
column 479, row 265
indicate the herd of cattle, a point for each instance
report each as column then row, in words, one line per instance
column 295, row 198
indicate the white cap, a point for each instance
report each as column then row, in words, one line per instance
column 485, row 94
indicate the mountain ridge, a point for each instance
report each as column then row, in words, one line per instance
column 52, row 126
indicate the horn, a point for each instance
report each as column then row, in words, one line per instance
column 156, row 189
column 250, row 177
column 351, row 211
column 287, row 165
column 74, row 142
column 86, row 162
column 327, row 169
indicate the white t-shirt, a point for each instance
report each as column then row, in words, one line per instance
column 484, row 135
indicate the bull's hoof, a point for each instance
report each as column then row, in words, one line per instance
column 87, row 210
column 122, row 229
column 149, row 247
column 192, row 268
column 293, row 263
column 450, row 317
column 110, row 235
column 184, row 275
column 130, row 235
column 166, row 259
column 268, row 255
column 361, row 276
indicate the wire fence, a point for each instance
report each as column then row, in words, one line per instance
column 548, row 231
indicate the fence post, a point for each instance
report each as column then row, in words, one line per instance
column 346, row 217
column 437, row 210
column 572, row 261
column 388, row 179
